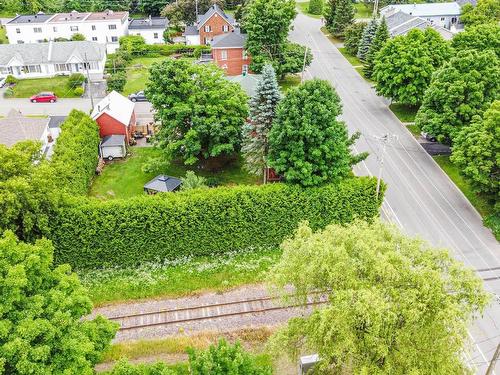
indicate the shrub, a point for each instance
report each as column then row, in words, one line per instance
column 76, row 79
column 117, row 81
column 78, row 37
column 78, row 91
column 10, row 79
column 192, row 181
column 9, row 92
column 316, row 6
column 89, row 233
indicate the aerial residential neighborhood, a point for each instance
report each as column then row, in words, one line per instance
column 253, row 187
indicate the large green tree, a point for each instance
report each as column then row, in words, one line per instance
column 395, row 305
column 366, row 39
column 201, row 113
column 152, row 7
column 330, row 12
column 42, row 331
column 480, row 37
column 308, row 145
column 262, row 111
column 405, row 64
column 353, row 35
column 184, row 11
column 316, row 7
column 462, row 88
column 476, row 151
column 344, row 17
column 381, row 37
column 486, row 11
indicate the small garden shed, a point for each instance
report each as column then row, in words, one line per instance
column 162, row 184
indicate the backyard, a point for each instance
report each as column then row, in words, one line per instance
column 138, row 73
column 25, row 88
column 125, row 178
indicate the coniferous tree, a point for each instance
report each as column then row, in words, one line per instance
column 316, row 6
column 381, row 36
column 367, row 38
column 330, row 11
column 344, row 17
column 353, row 35
column 262, row 111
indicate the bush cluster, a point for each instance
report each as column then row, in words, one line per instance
column 89, row 233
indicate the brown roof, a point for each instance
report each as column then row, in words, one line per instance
column 16, row 128
column 72, row 16
column 107, row 15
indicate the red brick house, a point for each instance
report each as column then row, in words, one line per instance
column 115, row 115
column 229, row 53
column 209, row 25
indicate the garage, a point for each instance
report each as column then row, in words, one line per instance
column 113, row 146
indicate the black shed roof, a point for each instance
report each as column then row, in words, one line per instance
column 163, row 183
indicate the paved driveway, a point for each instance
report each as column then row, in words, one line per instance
column 420, row 197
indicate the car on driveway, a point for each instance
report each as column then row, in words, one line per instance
column 428, row 137
column 138, row 97
column 44, row 97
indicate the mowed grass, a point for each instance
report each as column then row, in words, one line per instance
column 3, row 36
column 405, row 113
column 58, row 85
column 179, row 278
column 362, row 11
column 290, row 80
column 353, row 60
column 336, row 41
column 304, row 8
column 125, row 178
column 138, row 73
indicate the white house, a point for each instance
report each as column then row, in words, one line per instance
column 446, row 15
column 151, row 29
column 102, row 27
column 37, row 60
column 400, row 23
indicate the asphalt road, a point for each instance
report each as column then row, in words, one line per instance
column 420, row 198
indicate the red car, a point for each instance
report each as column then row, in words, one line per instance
column 44, row 97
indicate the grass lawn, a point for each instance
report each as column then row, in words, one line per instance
column 179, row 278
column 332, row 38
column 138, row 73
column 352, row 59
column 304, row 8
column 28, row 87
column 414, row 129
column 405, row 113
column 362, row 11
column 291, row 80
column 125, row 178
column 3, row 36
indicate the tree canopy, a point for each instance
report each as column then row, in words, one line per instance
column 486, row 11
column 42, row 307
column 479, row 37
column 395, row 305
column 381, row 36
column 308, row 145
column 184, row 11
column 353, row 35
column 366, row 38
column 343, row 18
column 201, row 113
column 404, row 66
column 462, row 88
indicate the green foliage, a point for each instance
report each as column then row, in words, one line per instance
column 367, row 38
column 78, row 37
column 152, row 7
column 117, row 81
column 381, row 36
column 192, row 181
column 291, row 60
column 353, row 35
column 486, row 11
column 42, row 307
column 225, row 359
column 75, row 153
column 76, row 79
column 387, row 295
column 133, row 44
column 184, row 11
column 404, row 66
column 316, row 6
column 307, row 144
column 344, row 17
column 10, row 79
column 123, row 367
column 89, row 233
column 201, row 113
column 330, row 12
column 78, row 91
column 9, row 92
column 480, row 37
column 262, row 110
column 476, row 151
column 462, row 88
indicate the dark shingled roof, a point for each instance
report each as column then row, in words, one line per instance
column 229, row 40
column 113, row 140
column 163, row 183
column 190, row 30
column 202, row 18
column 56, row 121
column 31, row 18
column 149, row 23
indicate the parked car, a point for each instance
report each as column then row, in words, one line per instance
column 138, row 97
column 44, row 97
column 2, row 82
column 428, row 137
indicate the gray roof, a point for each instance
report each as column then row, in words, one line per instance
column 425, row 9
column 16, row 128
column 191, row 30
column 401, row 23
column 463, row 2
column 248, row 82
column 56, row 121
column 149, row 23
column 404, row 28
column 60, row 52
column 229, row 40
column 31, row 18
column 163, row 183
column 396, row 19
column 113, row 140
column 202, row 18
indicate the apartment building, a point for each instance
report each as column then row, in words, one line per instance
column 102, row 27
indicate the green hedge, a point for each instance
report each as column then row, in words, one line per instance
column 75, row 153
column 89, row 233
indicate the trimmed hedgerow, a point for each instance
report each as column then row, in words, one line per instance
column 89, row 233
column 75, row 153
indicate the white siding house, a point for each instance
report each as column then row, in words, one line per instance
column 39, row 60
column 445, row 15
column 151, row 29
column 103, row 27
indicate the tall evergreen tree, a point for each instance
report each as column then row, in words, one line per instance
column 344, row 17
column 262, row 110
column 353, row 35
column 330, row 11
column 367, row 38
column 316, row 6
column 381, row 36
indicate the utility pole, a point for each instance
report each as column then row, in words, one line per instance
column 375, row 8
column 386, row 138
column 196, row 9
column 303, row 65
column 494, row 360
column 86, row 64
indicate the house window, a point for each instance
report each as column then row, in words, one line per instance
column 18, row 30
column 62, row 67
column 54, row 29
column 32, row 69
column 112, row 27
column 225, row 28
column 20, row 42
column 94, row 38
column 245, row 55
column 93, row 27
column 114, row 39
column 442, row 18
column 245, row 69
column 155, row 35
column 223, row 54
column 208, row 28
column 37, row 29
column 73, row 28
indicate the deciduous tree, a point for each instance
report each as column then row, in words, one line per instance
column 316, row 6
column 480, row 37
column 404, row 66
column 42, row 307
column 395, row 305
column 184, row 11
column 353, row 35
column 201, row 113
column 463, row 88
column 308, row 145
column 367, row 38
column 381, row 36
column 486, row 11
column 152, row 7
